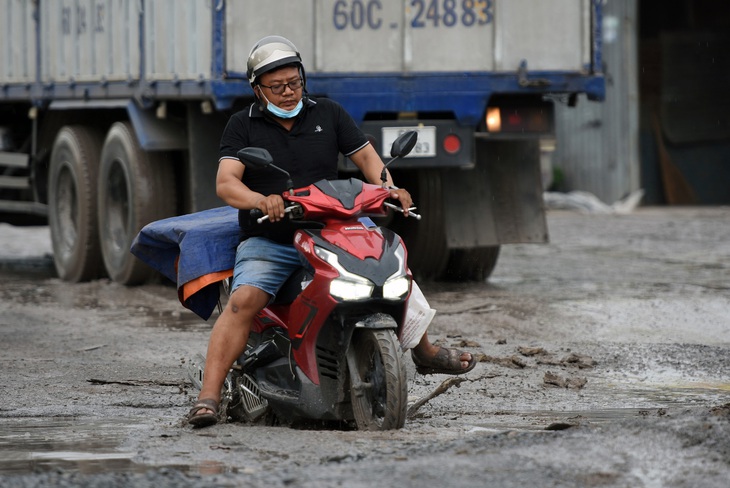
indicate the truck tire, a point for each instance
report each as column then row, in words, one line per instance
column 425, row 239
column 471, row 264
column 136, row 187
column 72, row 196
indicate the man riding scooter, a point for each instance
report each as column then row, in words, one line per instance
column 305, row 136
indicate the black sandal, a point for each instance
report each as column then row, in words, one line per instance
column 203, row 419
column 446, row 361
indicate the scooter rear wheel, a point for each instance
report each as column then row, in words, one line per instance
column 379, row 389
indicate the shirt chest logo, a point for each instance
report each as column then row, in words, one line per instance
column 318, row 129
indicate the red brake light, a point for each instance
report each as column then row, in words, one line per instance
column 514, row 120
column 452, row 144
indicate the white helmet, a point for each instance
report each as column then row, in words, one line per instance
column 270, row 53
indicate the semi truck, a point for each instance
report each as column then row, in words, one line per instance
column 111, row 112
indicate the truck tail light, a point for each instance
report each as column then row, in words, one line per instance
column 452, row 144
column 513, row 115
column 494, row 119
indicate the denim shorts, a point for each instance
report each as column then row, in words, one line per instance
column 264, row 264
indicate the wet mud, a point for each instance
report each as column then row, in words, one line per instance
column 604, row 361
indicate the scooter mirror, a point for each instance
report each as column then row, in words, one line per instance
column 404, row 144
column 255, row 157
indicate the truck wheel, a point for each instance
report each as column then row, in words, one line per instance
column 72, row 195
column 425, row 239
column 136, row 187
column 471, row 264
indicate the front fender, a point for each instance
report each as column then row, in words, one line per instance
column 377, row 321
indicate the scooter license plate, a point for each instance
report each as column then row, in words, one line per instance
column 425, row 146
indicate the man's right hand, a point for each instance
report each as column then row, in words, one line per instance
column 273, row 206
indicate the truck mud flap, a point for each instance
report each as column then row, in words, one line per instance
column 499, row 201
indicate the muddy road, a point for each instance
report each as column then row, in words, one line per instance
column 605, row 361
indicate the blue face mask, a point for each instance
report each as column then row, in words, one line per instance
column 280, row 112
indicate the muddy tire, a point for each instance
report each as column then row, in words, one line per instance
column 381, row 403
column 72, row 196
column 471, row 264
column 136, row 187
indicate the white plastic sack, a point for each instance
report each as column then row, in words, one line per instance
column 418, row 317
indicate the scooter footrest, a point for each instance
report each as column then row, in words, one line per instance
column 278, row 394
column 251, row 401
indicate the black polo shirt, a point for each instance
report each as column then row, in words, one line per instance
column 309, row 152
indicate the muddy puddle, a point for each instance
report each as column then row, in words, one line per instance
column 35, row 445
column 552, row 420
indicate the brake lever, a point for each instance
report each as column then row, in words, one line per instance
column 266, row 217
column 400, row 209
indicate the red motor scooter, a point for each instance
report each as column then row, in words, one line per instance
column 327, row 348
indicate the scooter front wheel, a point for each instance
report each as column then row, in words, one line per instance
column 378, row 384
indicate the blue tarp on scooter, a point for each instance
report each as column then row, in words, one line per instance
column 190, row 247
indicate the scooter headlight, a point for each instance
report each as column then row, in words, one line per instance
column 349, row 290
column 396, row 287
column 398, row 284
column 348, row 286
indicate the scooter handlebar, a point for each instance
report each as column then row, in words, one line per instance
column 398, row 208
column 257, row 214
column 260, row 217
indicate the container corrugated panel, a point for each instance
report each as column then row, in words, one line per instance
column 247, row 21
column 89, row 40
column 549, row 35
column 354, row 36
column 17, row 42
column 178, row 39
